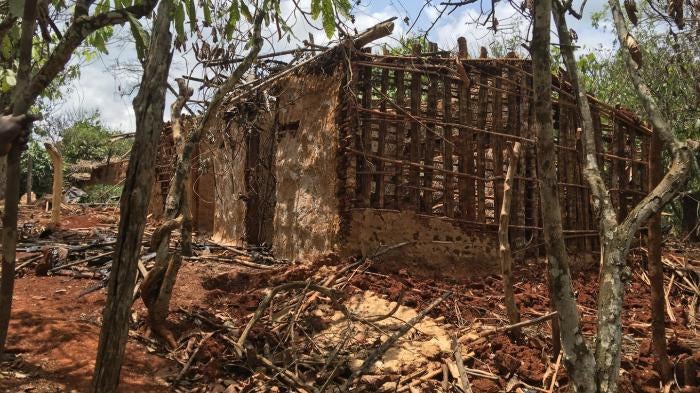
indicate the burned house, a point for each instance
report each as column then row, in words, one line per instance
column 401, row 157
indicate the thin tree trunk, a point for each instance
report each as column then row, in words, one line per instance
column 158, row 287
column 21, row 102
column 57, row 187
column 656, row 271
column 504, row 241
column 577, row 357
column 149, row 105
column 615, row 238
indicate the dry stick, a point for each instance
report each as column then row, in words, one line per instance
column 522, row 324
column 194, row 355
column 431, row 374
column 504, row 242
column 445, row 377
column 669, row 309
column 457, row 353
column 390, row 248
column 85, row 260
column 27, row 262
column 375, row 32
column 266, row 301
column 379, row 352
column 554, row 375
column 231, row 260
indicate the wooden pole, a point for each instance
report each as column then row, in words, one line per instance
column 57, row 187
column 656, row 271
column 504, row 242
column 30, row 164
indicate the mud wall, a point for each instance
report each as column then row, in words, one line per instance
column 228, row 156
column 425, row 245
column 202, row 186
column 306, row 220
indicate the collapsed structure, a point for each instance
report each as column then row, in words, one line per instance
column 400, row 157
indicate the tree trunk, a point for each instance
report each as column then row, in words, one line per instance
column 504, row 241
column 577, row 357
column 149, row 105
column 158, row 287
column 57, row 187
column 20, row 105
column 615, row 237
column 656, row 271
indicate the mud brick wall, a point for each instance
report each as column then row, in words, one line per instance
column 426, row 245
column 406, row 152
column 429, row 135
column 307, row 215
column 228, row 153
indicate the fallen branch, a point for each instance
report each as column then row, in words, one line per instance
column 488, row 332
column 85, row 260
column 457, row 353
column 231, row 260
column 187, row 365
column 554, row 374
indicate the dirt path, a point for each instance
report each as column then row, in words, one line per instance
column 53, row 337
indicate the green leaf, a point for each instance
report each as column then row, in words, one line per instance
column 102, row 7
column 246, row 12
column 192, row 14
column 207, row 13
column 343, row 7
column 140, row 36
column 315, row 8
column 328, row 18
column 180, row 21
column 233, row 17
column 16, row 8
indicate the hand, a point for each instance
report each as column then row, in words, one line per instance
column 13, row 131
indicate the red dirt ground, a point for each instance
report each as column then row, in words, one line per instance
column 53, row 335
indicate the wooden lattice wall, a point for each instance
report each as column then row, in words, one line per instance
column 429, row 134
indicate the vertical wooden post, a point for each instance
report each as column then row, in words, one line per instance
column 414, row 173
column 562, row 123
column 504, row 241
column 30, row 166
column 496, row 144
column 400, row 140
column 366, row 166
column 381, row 143
column 656, row 271
column 429, row 145
column 57, row 188
column 599, row 147
column 448, row 148
column 532, row 206
column 463, row 50
column 584, row 198
column 466, row 139
column 514, row 116
column 481, row 140
column 618, row 166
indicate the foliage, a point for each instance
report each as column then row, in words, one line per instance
column 79, row 136
column 673, row 56
column 42, row 174
column 671, row 70
column 89, row 139
column 405, row 46
column 102, row 193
